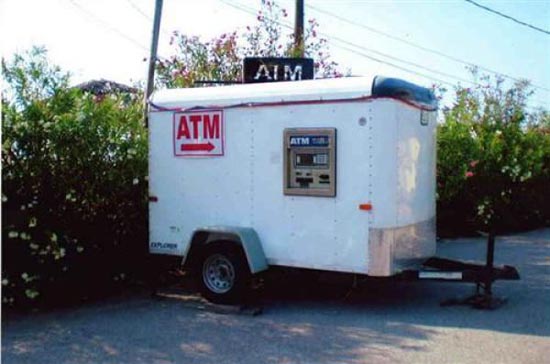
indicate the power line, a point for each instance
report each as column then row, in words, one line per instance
column 107, row 25
column 508, row 17
column 429, row 77
column 361, row 53
column 426, row 49
column 110, row 27
column 145, row 15
column 137, row 8
column 398, row 59
column 242, row 8
column 333, row 38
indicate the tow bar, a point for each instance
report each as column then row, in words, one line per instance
column 483, row 276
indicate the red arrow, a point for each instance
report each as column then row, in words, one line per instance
column 197, row 147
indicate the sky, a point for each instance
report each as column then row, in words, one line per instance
column 111, row 38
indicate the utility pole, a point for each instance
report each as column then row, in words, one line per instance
column 152, row 59
column 299, row 27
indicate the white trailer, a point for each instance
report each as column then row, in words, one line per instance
column 335, row 175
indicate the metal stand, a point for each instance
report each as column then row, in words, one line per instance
column 483, row 298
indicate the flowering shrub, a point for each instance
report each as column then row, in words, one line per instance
column 221, row 58
column 73, row 184
column 493, row 161
column 197, row 61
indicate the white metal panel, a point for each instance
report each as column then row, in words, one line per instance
column 306, row 231
column 165, row 216
column 281, row 91
column 217, row 190
column 404, row 235
column 383, row 165
column 245, row 186
column 199, row 191
column 415, row 167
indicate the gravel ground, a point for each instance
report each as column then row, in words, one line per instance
column 379, row 322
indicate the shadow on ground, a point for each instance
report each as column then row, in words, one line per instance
column 306, row 319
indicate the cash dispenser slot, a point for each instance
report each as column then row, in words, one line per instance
column 304, row 182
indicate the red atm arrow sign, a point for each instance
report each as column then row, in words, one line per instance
column 198, row 147
column 198, row 133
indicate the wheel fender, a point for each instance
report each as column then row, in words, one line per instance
column 246, row 237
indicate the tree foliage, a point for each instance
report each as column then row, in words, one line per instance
column 221, row 58
column 493, row 159
column 73, row 181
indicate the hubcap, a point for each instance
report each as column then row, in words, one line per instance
column 218, row 274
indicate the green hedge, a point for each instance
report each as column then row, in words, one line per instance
column 493, row 162
column 74, row 186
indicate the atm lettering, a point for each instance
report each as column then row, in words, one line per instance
column 195, row 119
column 263, row 71
column 198, row 133
column 190, row 127
column 183, row 128
column 293, row 74
column 211, row 128
column 299, row 141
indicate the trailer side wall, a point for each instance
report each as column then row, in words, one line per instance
column 385, row 158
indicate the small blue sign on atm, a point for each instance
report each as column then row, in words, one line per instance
column 309, row 141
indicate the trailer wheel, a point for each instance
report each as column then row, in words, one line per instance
column 223, row 273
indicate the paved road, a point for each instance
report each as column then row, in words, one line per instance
column 379, row 323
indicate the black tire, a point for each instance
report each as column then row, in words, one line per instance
column 222, row 274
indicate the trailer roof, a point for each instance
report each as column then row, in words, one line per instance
column 281, row 92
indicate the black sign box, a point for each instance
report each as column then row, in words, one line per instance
column 272, row 69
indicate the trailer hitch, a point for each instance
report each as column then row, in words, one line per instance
column 469, row 272
column 483, row 275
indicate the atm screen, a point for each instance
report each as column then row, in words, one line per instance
column 311, row 160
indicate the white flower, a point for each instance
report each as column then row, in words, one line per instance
column 31, row 293
column 32, row 222
column 135, row 181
